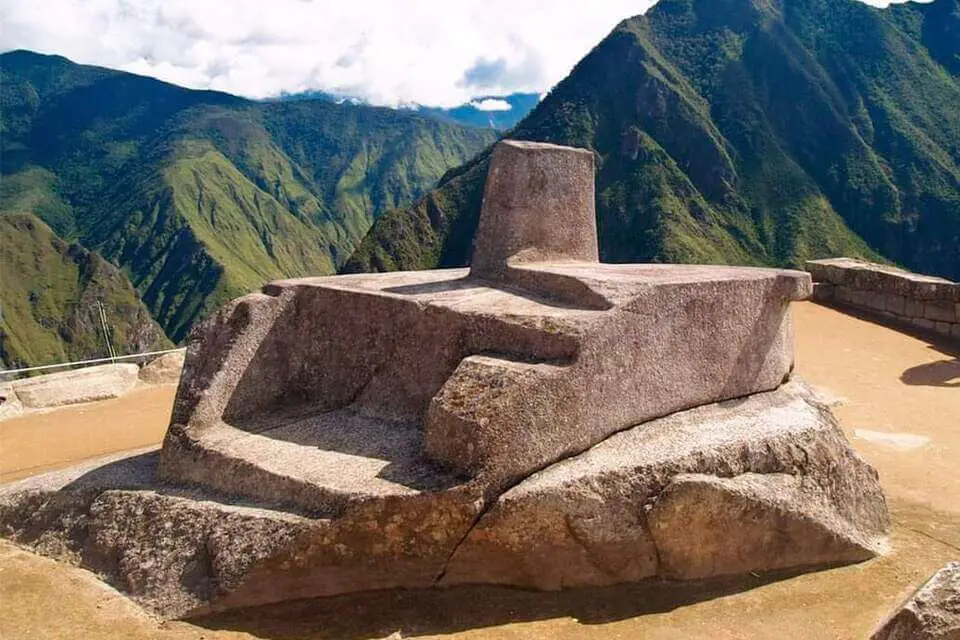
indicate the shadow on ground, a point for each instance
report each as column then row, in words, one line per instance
column 442, row 611
column 943, row 373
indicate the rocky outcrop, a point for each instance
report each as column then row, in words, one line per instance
column 528, row 423
column 755, row 485
column 729, row 488
column 931, row 613
column 163, row 370
column 74, row 387
column 10, row 406
column 172, row 551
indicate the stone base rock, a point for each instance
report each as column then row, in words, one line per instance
column 163, row 370
column 931, row 613
column 758, row 484
column 74, row 387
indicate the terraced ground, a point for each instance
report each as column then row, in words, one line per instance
column 898, row 398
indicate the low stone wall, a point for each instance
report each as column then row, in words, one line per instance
column 75, row 387
column 924, row 302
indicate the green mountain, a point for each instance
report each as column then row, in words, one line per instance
column 743, row 131
column 50, row 292
column 201, row 196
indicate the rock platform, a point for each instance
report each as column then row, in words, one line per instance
column 75, row 387
column 540, row 420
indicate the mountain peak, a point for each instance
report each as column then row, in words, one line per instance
column 744, row 131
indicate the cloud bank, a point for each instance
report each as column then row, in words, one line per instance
column 387, row 52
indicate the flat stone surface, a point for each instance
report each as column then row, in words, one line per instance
column 73, row 387
column 325, row 462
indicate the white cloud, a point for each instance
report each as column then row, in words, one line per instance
column 435, row 52
column 491, row 104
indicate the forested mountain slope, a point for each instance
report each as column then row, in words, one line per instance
column 201, row 196
column 50, row 292
column 743, row 131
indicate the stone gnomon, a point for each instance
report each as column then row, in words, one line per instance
column 541, row 420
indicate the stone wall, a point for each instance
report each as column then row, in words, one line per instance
column 924, row 302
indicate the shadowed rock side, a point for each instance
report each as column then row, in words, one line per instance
column 530, row 423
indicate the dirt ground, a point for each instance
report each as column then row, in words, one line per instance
column 44, row 441
column 900, row 407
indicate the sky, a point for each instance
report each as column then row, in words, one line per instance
column 388, row 52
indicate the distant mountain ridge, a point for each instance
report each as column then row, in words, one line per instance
column 470, row 113
column 743, row 131
column 202, row 196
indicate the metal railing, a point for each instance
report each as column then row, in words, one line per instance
column 62, row 365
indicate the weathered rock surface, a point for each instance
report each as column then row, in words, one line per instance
column 171, row 551
column 931, row 613
column 758, row 484
column 73, row 387
column 10, row 406
column 537, row 353
column 755, row 485
column 163, row 370
column 542, row 421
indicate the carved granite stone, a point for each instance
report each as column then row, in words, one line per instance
column 539, row 420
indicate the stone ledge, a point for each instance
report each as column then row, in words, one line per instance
column 75, row 387
column 923, row 302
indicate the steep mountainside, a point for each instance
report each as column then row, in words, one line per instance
column 743, row 131
column 201, row 196
column 50, row 291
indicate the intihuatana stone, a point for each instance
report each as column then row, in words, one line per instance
column 540, row 420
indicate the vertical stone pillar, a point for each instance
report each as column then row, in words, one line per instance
column 538, row 206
